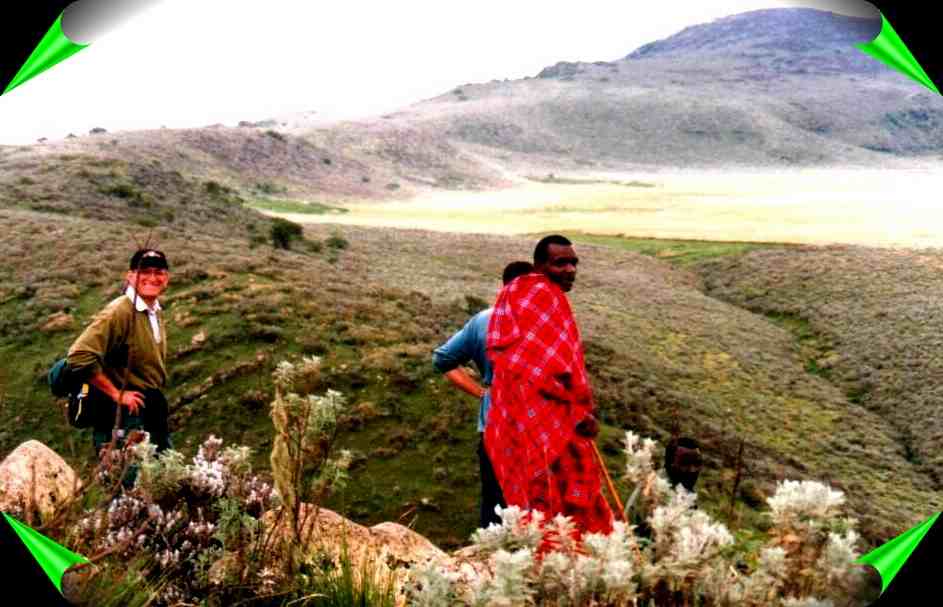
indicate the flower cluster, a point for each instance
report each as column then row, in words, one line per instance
column 797, row 502
column 181, row 516
column 689, row 558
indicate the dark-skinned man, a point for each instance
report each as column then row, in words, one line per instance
column 468, row 345
column 541, row 424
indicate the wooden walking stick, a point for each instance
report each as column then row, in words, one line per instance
column 609, row 485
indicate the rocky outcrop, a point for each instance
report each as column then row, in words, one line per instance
column 34, row 480
column 386, row 549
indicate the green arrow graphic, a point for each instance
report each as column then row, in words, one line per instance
column 890, row 557
column 889, row 49
column 53, row 558
column 53, row 48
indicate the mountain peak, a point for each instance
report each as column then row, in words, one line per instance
column 798, row 30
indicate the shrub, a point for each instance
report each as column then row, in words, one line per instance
column 121, row 189
column 179, row 518
column 283, row 232
column 214, row 188
column 688, row 560
column 305, row 429
column 268, row 187
column 337, row 242
column 193, row 532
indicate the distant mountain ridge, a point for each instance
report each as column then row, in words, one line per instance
column 769, row 88
column 825, row 41
column 799, row 30
column 780, row 87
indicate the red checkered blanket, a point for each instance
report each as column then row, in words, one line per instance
column 539, row 393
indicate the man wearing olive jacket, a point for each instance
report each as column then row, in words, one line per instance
column 122, row 354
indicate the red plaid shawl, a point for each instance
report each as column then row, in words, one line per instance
column 539, row 393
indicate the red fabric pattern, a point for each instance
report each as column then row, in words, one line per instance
column 539, row 393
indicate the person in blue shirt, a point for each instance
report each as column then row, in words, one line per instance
column 468, row 345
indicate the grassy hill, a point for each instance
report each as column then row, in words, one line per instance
column 796, row 353
column 769, row 88
column 663, row 354
column 873, row 321
column 776, row 87
column 343, row 163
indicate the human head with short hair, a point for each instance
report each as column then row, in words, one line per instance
column 149, row 274
column 683, row 462
column 555, row 258
column 515, row 269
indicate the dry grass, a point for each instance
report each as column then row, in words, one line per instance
column 889, row 207
column 660, row 352
column 877, row 317
column 817, row 390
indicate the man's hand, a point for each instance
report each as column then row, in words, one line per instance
column 588, row 427
column 132, row 400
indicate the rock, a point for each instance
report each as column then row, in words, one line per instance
column 74, row 582
column 385, row 549
column 60, row 321
column 35, row 480
column 404, row 544
column 199, row 339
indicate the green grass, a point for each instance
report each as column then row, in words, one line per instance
column 585, row 181
column 676, row 252
column 722, row 373
column 293, row 206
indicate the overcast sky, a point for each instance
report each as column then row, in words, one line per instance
column 185, row 63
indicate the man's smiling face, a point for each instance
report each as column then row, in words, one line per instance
column 149, row 283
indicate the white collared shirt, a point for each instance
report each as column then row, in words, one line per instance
column 151, row 312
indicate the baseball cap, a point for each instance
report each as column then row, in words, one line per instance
column 149, row 258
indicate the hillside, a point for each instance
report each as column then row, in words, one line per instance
column 338, row 167
column 662, row 354
column 763, row 88
column 878, row 340
column 781, row 349
column 769, row 88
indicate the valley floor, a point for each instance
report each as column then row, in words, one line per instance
column 874, row 207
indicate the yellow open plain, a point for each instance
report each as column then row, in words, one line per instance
column 892, row 207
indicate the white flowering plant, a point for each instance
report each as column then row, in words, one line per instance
column 162, row 529
column 303, row 466
column 182, row 516
column 688, row 558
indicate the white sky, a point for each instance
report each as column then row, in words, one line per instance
column 187, row 63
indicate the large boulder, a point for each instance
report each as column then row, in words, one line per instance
column 384, row 549
column 34, row 480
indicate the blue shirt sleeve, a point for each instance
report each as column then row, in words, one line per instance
column 457, row 351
